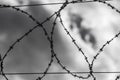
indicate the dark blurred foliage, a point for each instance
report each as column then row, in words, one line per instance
column 85, row 33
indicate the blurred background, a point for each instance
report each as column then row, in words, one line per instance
column 91, row 25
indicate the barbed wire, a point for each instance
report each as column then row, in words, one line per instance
column 50, row 39
column 45, row 4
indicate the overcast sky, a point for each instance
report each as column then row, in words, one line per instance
column 32, row 54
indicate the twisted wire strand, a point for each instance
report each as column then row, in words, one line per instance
column 50, row 38
column 27, row 33
column 52, row 56
column 45, row 4
column 109, row 41
column 73, row 40
column 51, row 73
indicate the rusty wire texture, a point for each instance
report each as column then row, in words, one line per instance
column 50, row 38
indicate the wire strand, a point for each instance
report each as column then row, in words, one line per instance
column 45, row 4
column 58, row 73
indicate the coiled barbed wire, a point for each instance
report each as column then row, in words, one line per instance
column 50, row 38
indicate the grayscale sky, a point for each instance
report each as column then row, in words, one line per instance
column 90, row 24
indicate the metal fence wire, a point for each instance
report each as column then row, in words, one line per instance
column 50, row 38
